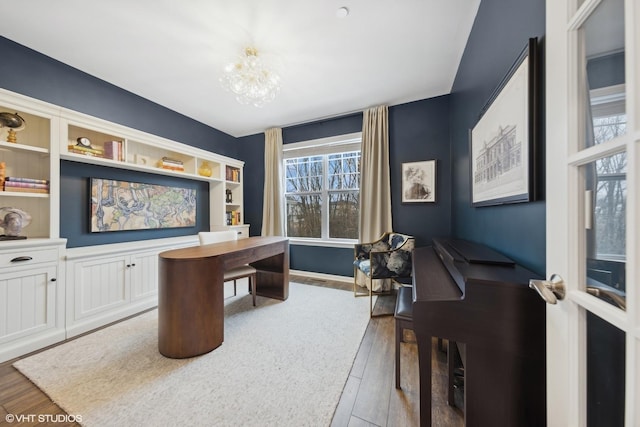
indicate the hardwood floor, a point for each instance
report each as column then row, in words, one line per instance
column 368, row 399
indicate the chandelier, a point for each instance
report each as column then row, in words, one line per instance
column 250, row 80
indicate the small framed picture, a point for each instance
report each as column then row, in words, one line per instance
column 419, row 182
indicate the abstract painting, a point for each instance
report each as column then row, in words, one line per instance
column 122, row 205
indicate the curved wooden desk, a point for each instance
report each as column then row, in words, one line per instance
column 190, row 301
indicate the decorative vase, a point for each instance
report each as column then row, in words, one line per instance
column 205, row 169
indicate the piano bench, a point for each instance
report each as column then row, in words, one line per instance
column 404, row 320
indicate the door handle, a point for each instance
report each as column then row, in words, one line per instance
column 550, row 290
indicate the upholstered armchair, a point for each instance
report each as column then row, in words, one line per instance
column 388, row 258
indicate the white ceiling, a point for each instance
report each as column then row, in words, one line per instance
column 173, row 52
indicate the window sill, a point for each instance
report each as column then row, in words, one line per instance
column 325, row 243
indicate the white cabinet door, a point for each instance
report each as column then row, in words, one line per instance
column 97, row 286
column 29, row 299
column 108, row 283
column 144, row 276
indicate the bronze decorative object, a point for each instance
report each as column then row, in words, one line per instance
column 14, row 122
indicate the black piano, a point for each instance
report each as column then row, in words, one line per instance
column 480, row 301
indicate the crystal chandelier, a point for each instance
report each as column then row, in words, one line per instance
column 250, row 80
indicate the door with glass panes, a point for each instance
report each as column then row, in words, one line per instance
column 593, row 246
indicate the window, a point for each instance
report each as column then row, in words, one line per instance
column 322, row 188
column 609, row 175
column 606, row 195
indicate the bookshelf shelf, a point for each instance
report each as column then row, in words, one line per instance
column 117, row 146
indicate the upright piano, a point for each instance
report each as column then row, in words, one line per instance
column 473, row 296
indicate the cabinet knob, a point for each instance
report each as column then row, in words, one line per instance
column 128, row 265
column 133, row 265
column 53, row 279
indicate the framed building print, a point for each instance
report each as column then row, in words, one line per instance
column 502, row 146
column 419, row 182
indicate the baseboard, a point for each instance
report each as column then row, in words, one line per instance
column 322, row 276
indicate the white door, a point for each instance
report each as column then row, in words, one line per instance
column 592, row 195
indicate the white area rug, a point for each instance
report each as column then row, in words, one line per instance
column 281, row 364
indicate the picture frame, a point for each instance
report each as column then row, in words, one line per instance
column 123, row 205
column 419, row 182
column 503, row 141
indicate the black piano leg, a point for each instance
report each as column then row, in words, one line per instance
column 424, row 362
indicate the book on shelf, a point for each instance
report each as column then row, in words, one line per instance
column 31, row 180
column 171, row 164
column 232, row 174
column 172, row 168
column 18, row 184
column 169, row 160
column 26, row 190
column 113, row 150
column 233, row 218
column 94, row 152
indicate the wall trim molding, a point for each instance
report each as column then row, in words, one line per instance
column 322, row 276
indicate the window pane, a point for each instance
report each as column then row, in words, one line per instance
column 304, row 215
column 607, row 128
column 303, row 174
column 343, row 214
column 315, row 174
column 604, row 57
column 605, row 373
column 344, row 171
column 605, row 180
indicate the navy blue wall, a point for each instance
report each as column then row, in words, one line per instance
column 500, row 32
column 417, row 131
column 30, row 73
column 75, row 214
column 429, row 129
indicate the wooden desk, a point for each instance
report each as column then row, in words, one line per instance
column 191, row 301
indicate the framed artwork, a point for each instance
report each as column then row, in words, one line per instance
column 503, row 141
column 122, row 205
column 419, row 182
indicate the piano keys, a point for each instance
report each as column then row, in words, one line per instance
column 469, row 294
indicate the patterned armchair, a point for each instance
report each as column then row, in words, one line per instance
column 388, row 257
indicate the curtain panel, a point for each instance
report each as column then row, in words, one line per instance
column 375, row 186
column 273, row 206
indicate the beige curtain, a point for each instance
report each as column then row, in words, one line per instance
column 273, row 206
column 375, row 187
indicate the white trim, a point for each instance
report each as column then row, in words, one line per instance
column 608, row 101
column 335, row 243
column 161, row 244
column 582, row 14
column 322, row 276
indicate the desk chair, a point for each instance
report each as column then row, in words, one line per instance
column 209, row 237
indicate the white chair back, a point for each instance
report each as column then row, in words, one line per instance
column 209, row 237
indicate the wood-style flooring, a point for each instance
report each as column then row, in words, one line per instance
column 368, row 399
